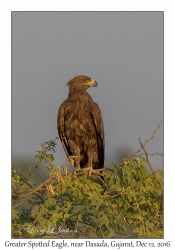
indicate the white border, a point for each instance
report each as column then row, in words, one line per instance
column 5, row 94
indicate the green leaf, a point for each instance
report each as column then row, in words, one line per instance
column 15, row 214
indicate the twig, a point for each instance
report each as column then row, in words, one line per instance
column 125, row 235
column 147, row 140
column 127, row 222
column 38, row 195
column 152, row 137
column 102, row 232
column 103, row 182
column 150, row 154
column 142, row 221
column 26, row 179
column 108, row 169
column 129, row 188
column 147, row 159
column 23, row 193
column 19, row 203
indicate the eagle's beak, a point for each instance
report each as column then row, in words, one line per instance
column 93, row 83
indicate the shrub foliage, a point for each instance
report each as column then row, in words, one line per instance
column 126, row 202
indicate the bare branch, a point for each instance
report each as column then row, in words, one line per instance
column 147, row 140
column 152, row 137
column 150, row 154
column 147, row 159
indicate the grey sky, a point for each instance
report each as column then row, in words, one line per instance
column 122, row 51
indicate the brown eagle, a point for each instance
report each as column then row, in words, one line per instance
column 80, row 125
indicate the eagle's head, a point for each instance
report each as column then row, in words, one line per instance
column 81, row 83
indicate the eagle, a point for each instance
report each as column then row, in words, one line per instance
column 80, row 126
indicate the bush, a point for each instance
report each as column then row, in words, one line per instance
column 127, row 202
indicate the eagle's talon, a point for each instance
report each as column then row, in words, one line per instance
column 78, row 170
column 88, row 168
column 90, row 171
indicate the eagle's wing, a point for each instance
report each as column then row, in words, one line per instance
column 61, row 131
column 99, row 127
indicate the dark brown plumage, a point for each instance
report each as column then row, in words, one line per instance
column 80, row 125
